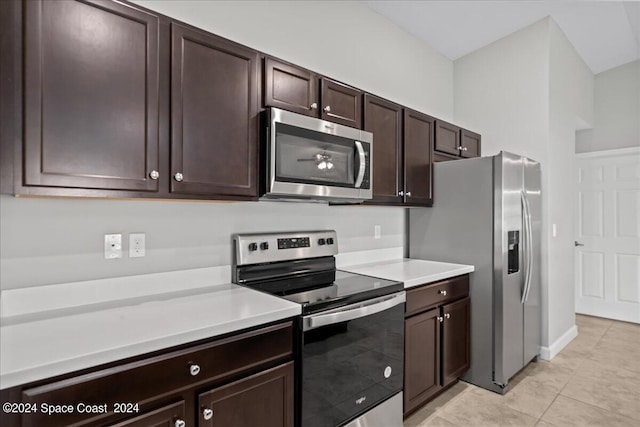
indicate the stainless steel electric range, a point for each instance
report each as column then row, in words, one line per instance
column 349, row 363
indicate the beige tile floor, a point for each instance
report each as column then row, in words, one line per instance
column 594, row 381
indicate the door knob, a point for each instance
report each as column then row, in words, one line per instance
column 576, row 243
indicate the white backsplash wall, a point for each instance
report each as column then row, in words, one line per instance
column 51, row 241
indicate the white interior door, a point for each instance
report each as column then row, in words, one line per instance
column 608, row 265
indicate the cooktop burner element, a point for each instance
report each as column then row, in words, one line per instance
column 300, row 267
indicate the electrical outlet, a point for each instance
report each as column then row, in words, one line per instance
column 136, row 245
column 112, row 246
column 376, row 232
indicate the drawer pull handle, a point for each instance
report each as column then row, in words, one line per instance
column 444, row 293
column 180, row 423
column 207, row 413
column 447, row 316
column 194, row 370
column 440, row 319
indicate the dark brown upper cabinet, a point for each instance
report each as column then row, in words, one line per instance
column 341, row 103
column 402, row 153
column 447, row 138
column 418, row 158
column 214, row 115
column 453, row 142
column 302, row 91
column 91, row 96
column 384, row 119
column 470, row 143
column 290, row 88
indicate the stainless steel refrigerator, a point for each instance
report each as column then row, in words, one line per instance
column 487, row 212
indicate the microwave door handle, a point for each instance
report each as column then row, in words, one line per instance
column 363, row 164
column 348, row 313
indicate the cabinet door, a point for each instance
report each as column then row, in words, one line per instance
column 264, row 399
column 470, row 142
column 447, row 138
column 91, row 95
column 418, row 158
column 341, row 104
column 421, row 358
column 384, row 120
column 455, row 340
column 166, row 416
column 214, row 115
column 290, row 88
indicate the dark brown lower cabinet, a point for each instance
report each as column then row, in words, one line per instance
column 437, row 339
column 264, row 399
column 455, row 340
column 249, row 377
column 421, row 358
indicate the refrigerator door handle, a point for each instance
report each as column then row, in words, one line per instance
column 529, row 246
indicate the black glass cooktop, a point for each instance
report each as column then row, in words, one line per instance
column 347, row 288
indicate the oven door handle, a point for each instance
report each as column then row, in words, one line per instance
column 354, row 311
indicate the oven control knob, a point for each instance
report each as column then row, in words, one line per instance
column 253, row 247
column 330, row 241
column 264, row 246
column 387, row 372
column 321, row 242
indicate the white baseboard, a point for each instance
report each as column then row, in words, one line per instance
column 548, row 353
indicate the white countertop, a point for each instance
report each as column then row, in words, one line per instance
column 43, row 346
column 413, row 272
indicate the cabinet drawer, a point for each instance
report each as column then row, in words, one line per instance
column 419, row 299
column 264, row 399
column 145, row 380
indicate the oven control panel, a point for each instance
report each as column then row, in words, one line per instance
column 270, row 247
column 294, row 243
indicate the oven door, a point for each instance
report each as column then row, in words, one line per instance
column 352, row 360
column 312, row 158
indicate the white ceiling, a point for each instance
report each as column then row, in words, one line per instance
column 605, row 33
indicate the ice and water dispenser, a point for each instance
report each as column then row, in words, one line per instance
column 513, row 245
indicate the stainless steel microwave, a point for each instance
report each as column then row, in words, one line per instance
column 313, row 159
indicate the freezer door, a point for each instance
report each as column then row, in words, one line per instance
column 508, row 282
column 532, row 308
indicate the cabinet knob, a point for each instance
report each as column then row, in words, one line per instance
column 464, row 148
column 154, row 174
column 447, row 316
column 207, row 413
column 180, row 423
column 440, row 319
column 314, row 106
column 194, row 370
column 400, row 193
column 178, row 177
column 408, row 193
column 327, row 109
column 442, row 292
